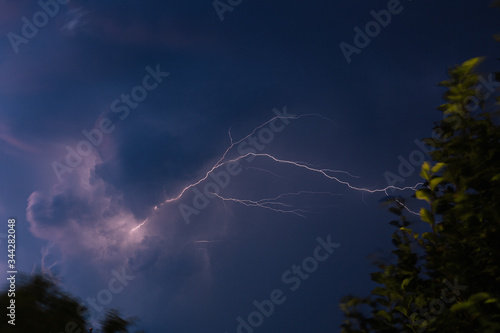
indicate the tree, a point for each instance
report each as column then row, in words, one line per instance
column 113, row 323
column 41, row 306
column 447, row 278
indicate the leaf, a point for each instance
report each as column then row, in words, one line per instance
column 423, row 194
column 402, row 310
column 353, row 301
column 425, row 172
column 384, row 314
column 434, row 182
column 396, row 211
column 429, row 236
column 471, row 63
column 437, row 167
column 479, row 297
column 407, row 230
column 431, row 142
column 461, row 306
column 395, row 223
column 426, row 216
column 405, row 283
column 380, row 291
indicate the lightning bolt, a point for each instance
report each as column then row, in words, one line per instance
column 272, row 203
column 46, row 270
column 265, row 205
column 269, row 203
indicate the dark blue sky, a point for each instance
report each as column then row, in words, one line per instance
column 72, row 76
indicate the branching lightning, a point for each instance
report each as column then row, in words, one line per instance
column 274, row 204
column 265, row 205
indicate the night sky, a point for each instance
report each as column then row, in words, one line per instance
column 111, row 108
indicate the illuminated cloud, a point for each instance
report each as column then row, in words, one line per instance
column 85, row 219
column 82, row 216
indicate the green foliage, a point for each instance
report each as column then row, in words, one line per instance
column 446, row 279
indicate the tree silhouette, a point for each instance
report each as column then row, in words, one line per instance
column 41, row 306
column 113, row 323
